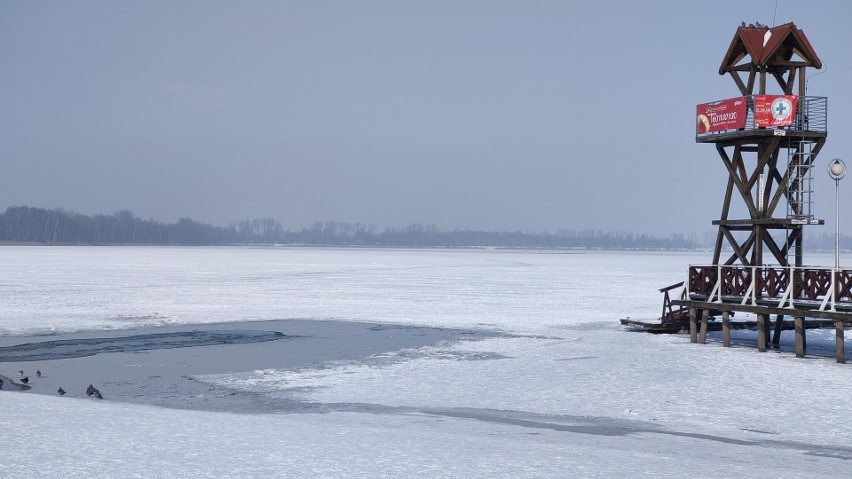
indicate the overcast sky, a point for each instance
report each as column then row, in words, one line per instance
column 497, row 115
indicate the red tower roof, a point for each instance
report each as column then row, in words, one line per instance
column 769, row 47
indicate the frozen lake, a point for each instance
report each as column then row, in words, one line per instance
column 558, row 390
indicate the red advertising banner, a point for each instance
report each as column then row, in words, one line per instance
column 721, row 115
column 774, row 110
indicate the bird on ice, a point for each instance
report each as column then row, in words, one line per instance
column 61, row 391
column 38, row 373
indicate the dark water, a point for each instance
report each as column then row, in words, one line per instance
column 165, row 366
column 77, row 348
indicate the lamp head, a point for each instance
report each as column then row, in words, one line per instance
column 837, row 169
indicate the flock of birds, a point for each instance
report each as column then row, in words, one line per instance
column 90, row 391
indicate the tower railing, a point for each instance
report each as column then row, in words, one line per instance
column 825, row 289
column 811, row 116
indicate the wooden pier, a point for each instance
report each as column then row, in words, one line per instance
column 810, row 297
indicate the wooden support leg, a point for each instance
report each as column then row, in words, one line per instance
column 767, row 326
column 726, row 329
column 841, row 347
column 693, row 330
column 776, row 336
column 702, row 337
column 761, row 332
column 800, row 337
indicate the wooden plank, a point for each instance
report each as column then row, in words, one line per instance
column 841, row 346
column 808, row 312
column 800, row 337
column 702, row 338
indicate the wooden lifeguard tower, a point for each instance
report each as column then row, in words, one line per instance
column 768, row 139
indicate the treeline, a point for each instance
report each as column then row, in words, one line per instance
column 22, row 224
column 38, row 225
column 824, row 242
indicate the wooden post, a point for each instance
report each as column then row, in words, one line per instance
column 693, row 333
column 779, row 325
column 702, row 338
column 841, row 347
column 767, row 326
column 726, row 329
column 800, row 337
column 761, row 333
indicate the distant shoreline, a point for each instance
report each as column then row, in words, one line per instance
column 563, row 250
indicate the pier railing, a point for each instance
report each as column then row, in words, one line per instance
column 825, row 289
column 811, row 116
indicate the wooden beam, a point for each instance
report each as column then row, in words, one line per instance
column 799, row 254
column 751, row 76
column 782, row 191
column 717, row 251
column 773, row 178
column 841, row 346
column 726, row 208
column 764, row 158
column 739, row 82
column 732, row 171
column 779, row 324
column 739, row 250
column 702, row 337
column 814, row 313
column 770, row 243
column 757, row 253
column 801, row 339
column 791, row 81
column 781, row 81
column 761, row 332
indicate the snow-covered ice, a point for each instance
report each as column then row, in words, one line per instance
column 565, row 392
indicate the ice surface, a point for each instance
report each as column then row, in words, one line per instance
column 568, row 394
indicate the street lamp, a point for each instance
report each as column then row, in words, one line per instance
column 837, row 170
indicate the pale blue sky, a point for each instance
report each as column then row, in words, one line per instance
column 484, row 114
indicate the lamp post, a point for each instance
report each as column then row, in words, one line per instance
column 837, row 170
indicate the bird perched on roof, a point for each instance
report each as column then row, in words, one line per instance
column 61, row 391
